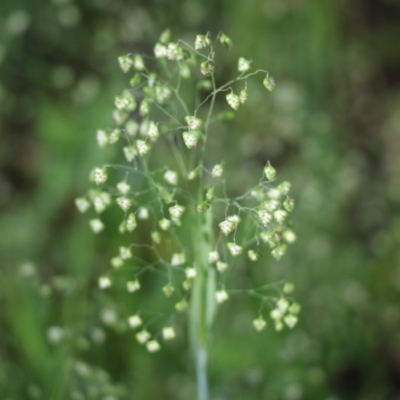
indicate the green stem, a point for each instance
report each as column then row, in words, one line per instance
column 202, row 309
column 201, row 374
column 203, row 302
column 206, row 129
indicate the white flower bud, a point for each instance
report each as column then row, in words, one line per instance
column 132, row 128
column 143, row 336
column 259, row 324
column 119, row 117
column 284, row 187
column 229, row 224
column 253, row 256
column 279, row 252
column 122, row 227
column 276, row 314
column 165, row 36
column 221, row 296
column 234, row 249
column 280, row 216
column 288, row 287
column 289, row 236
column 278, row 325
column 131, row 223
column 178, row 259
column 144, row 127
column 125, row 62
column 190, row 138
column 125, row 253
column 135, row 80
column 143, row 213
column 144, row 108
column 82, row 204
column 221, row 266
column 234, row 218
column 274, row 193
column 265, row 217
column 133, row 286
column 226, row 227
column 168, row 289
column 174, row 52
column 124, row 203
column 104, row 282
column 294, row 308
column 282, row 304
column 102, row 138
column 138, row 62
column 190, row 273
column 193, row 174
column 114, row 136
column 142, row 147
column 171, row 177
column 135, row 321
column 207, row 67
column 156, row 237
column 176, row 212
column 117, row 262
column 225, row 40
column 290, row 320
column 162, row 93
column 101, row 201
column 168, row 333
column 289, row 204
column 213, row 257
column 233, row 100
column 164, row 224
column 125, row 102
column 129, row 152
column 55, row 334
column 153, row 346
column 187, row 284
column 123, row 187
column 100, row 176
column 244, row 65
column 269, row 83
column 151, row 80
column 271, row 205
column 160, row 51
column 243, row 96
column 181, row 305
column 193, row 122
column 270, row 171
column 202, row 41
column 152, row 131
column 96, row 225
column 217, row 171
column 270, row 237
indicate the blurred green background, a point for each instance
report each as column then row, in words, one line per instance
column 332, row 127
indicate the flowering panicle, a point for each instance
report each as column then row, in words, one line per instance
column 151, row 115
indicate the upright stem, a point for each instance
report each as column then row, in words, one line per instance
column 203, row 305
column 201, row 373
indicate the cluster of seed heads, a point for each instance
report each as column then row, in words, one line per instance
column 150, row 111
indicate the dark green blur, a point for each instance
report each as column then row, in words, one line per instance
column 331, row 127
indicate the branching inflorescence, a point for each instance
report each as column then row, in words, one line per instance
column 193, row 244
